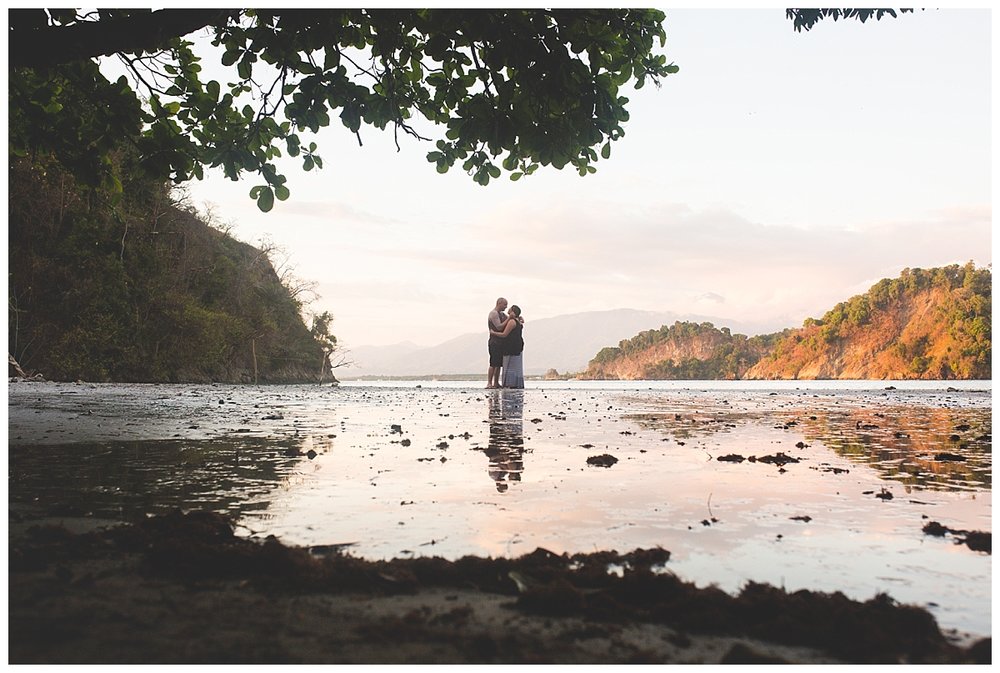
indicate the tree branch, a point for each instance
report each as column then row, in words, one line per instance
column 39, row 46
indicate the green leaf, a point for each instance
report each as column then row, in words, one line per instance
column 281, row 192
column 266, row 200
column 606, row 151
column 515, row 176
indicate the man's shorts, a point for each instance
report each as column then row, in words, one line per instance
column 496, row 353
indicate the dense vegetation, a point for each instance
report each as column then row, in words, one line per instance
column 953, row 339
column 129, row 286
column 723, row 355
column 927, row 323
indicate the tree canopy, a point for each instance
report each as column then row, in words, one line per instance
column 516, row 89
column 805, row 19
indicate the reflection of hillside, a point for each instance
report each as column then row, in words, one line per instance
column 127, row 480
column 691, row 424
column 506, row 446
column 902, row 443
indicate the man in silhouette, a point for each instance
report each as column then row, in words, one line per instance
column 495, row 323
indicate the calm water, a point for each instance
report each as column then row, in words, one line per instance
column 448, row 469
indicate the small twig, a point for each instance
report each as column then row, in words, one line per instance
column 121, row 256
column 711, row 516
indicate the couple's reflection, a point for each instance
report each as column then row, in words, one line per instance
column 506, row 446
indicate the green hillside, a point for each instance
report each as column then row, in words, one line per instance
column 684, row 350
column 108, row 285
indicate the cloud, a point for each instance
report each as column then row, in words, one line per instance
column 562, row 257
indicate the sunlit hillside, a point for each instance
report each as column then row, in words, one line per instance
column 926, row 324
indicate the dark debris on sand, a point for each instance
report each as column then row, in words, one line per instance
column 975, row 540
column 202, row 548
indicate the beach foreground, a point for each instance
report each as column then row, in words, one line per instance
column 262, row 521
column 183, row 589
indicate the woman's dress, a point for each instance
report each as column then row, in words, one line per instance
column 513, row 362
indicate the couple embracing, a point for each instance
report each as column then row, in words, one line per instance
column 505, row 346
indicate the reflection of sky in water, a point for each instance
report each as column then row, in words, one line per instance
column 470, row 471
column 922, row 447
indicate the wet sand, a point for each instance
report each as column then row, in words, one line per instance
column 183, row 589
column 356, row 438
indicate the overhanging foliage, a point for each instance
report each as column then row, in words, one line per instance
column 515, row 89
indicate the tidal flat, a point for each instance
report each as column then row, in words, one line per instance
column 827, row 486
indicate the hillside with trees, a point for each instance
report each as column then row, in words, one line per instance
column 684, row 350
column 131, row 286
column 926, row 324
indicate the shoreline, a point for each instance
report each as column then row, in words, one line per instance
column 60, row 576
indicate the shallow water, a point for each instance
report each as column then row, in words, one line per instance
column 448, row 469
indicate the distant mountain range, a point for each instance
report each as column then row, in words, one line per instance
column 565, row 343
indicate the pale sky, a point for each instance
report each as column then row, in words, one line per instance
column 776, row 174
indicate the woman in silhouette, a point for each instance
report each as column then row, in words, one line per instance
column 513, row 347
